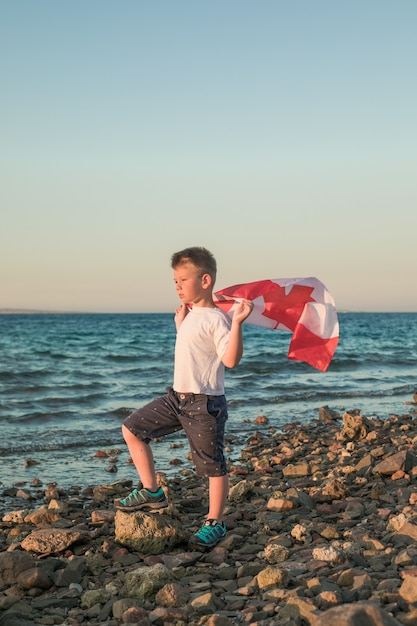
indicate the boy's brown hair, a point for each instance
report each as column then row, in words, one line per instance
column 200, row 257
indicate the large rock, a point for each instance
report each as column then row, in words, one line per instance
column 52, row 540
column 357, row 614
column 403, row 460
column 151, row 534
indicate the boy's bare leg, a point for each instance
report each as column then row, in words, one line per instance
column 142, row 458
column 218, row 493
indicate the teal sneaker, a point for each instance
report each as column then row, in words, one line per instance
column 209, row 534
column 142, row 499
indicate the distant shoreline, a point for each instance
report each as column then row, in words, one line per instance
column 41, row 312
column 33, row 312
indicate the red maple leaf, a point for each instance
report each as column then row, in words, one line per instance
column 286, row 308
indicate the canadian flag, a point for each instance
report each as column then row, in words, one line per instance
column 302, row 306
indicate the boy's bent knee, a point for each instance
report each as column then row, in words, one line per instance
column 127, row 434
column 132, row 438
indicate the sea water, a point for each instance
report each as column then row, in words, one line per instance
column 68, row 381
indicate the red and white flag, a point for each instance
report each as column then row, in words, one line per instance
column 302, row 306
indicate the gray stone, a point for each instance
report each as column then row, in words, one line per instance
column 91, row 597
column 122, row 605
column 34, row 578
column 12, row 564
column 145, row 582
column 238, row 492
column 20, row 614
column 72, row 573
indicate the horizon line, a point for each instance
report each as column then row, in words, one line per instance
column 12, row 311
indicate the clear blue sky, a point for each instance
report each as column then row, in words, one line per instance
column 280, row 134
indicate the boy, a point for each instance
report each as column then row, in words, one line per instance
column 207, row 342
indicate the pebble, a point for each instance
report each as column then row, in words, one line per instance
column 322, row 530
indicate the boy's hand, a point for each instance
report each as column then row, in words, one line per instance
column 180, row 314
column 242, row 311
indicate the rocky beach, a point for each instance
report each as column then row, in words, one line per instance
column 322, row 530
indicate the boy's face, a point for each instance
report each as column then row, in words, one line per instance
column 193, row 287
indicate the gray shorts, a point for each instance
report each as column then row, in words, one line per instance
column 202, row 417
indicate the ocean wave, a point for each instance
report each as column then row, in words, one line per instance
column 77, row 441
column 122, row 412
column 66, row 382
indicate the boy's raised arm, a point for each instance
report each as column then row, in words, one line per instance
column 234, row 350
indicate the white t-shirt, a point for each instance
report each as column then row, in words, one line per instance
column 201, row 343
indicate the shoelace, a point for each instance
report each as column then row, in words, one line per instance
column 136, row 496
column 211, row 530
column 132, row 497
